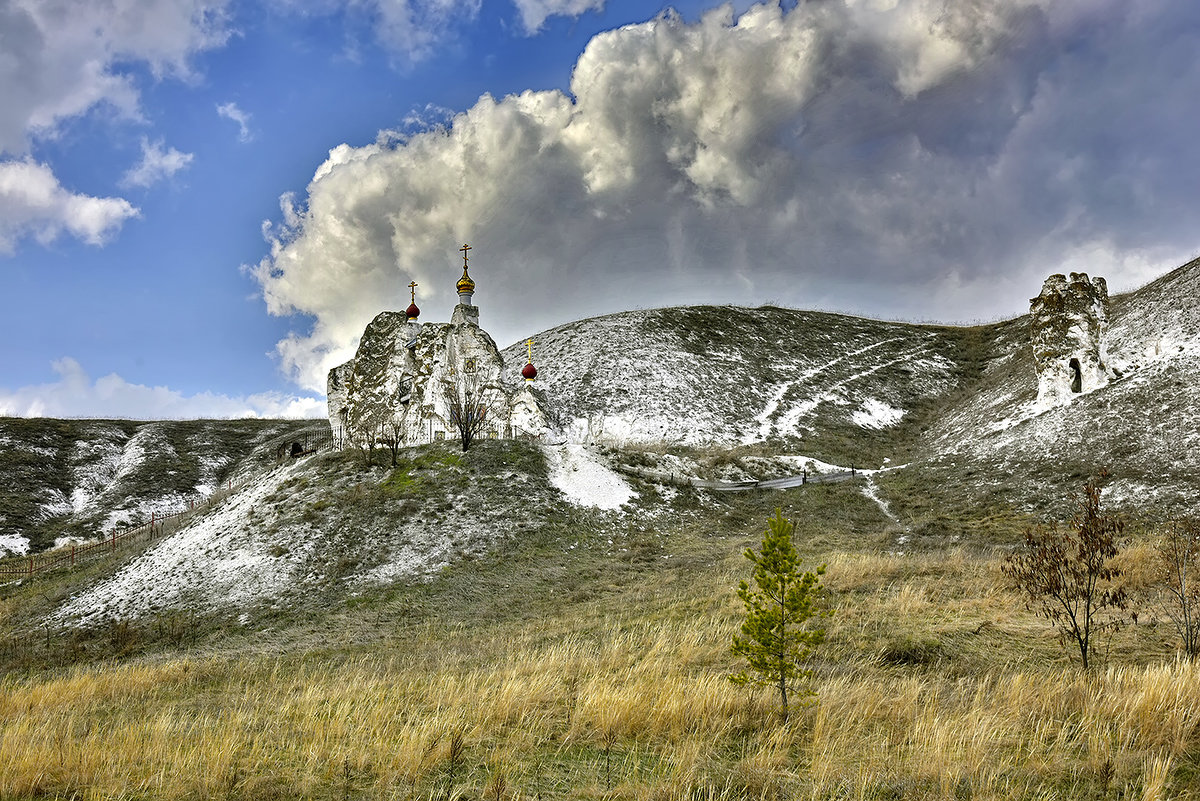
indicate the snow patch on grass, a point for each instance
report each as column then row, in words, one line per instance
column 871, row 490
column 13, row 544
column 586, row 481
column 876, row 414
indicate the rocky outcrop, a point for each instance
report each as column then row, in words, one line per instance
column 1068, row 323
column 406, row 377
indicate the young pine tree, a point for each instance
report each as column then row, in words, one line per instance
column 776, row 637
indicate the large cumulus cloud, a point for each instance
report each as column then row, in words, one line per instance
column 917, row 158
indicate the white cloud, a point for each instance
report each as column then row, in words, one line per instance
column 534, row 13
column 156, row 165
column 63, row 57
column 412, row 30
column 230, row 111
column 899, row 158
column 75, row 394
column 33, row 203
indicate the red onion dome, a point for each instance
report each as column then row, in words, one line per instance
column 529, row 372
column 412, row 311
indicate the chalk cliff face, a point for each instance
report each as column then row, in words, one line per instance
column 1068, row 323
column 405, row 375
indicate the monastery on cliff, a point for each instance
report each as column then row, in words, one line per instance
column 407, row 378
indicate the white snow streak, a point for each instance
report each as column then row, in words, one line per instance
column 13, row 544
column 584, row 479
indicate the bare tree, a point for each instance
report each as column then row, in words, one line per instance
column 362, row 440
column 1178, row 574
column 392, row 434
column 1067, row 574
column 468, row 401
column 362, row 421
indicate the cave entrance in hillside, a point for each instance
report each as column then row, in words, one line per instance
column 1076, row 376
column 297, row 449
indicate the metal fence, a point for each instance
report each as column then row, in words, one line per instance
column 786, row 482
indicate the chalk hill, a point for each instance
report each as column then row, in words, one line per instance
column 951, row 409
column 74, row 478
column 855, row 391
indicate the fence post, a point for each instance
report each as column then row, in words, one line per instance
column 72, row 556
column 31, row 565
column 114, row 539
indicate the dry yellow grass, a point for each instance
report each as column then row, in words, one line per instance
column 636, row 706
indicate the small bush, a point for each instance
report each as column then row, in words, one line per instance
column 912, row 650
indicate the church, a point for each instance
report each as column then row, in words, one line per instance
column 416, row 382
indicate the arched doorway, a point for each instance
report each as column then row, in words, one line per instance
column 1076, row 376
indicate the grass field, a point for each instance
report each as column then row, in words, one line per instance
column 589, row 660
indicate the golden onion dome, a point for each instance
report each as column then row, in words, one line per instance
column 465, row 284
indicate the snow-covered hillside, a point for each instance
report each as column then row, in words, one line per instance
column 788, row 384
column 734, row 376
column 1142, row 426
column 327, row 526
column 78, row 478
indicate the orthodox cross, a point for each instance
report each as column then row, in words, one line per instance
column 529, row 345
column 464, row 250
column 412, row 288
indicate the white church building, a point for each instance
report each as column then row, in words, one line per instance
column 409, row 380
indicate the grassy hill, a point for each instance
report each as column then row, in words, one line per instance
column 586, row 656
column 468, row 626
column 78, row 478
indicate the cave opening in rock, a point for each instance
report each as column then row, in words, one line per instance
column 1076, row 376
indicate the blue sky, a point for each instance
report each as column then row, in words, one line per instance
column 177, row 238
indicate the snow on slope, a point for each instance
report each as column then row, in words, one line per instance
column 578, row 474
column 318, row 528
column 81, row 478
column 218, row 560
column 1143, row 427
column 701, row 375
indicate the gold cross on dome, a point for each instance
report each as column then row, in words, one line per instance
column 529, row 345
column 464, row 250
column 412, row 288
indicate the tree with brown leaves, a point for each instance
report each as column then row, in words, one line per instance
column 1067, row 574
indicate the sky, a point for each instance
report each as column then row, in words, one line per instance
column 203, row 202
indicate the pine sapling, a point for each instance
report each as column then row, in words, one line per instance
column 777, row 636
